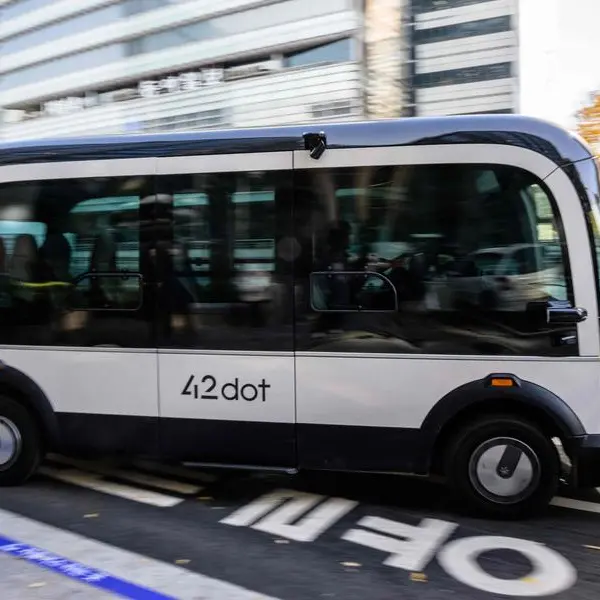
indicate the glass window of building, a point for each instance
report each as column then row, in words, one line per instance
column 240, row 22
column 465, row 75
column 18, row 8
column 425, row 6
column 67, row 65
column 61, row 29
column 338, row 51
column 462, row 30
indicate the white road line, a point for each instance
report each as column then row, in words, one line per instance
column 141, row 570
column 575, row 504
column 170, row 485
column 94, row 482
column 248, row 514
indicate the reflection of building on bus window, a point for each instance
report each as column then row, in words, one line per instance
column 467, row 248
column 225, row 229
column 54, row 233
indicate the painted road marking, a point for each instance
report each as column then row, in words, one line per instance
column 95, row 482
column 576, row 504
column 291, row 514
column 147, row 476
column 133, row 476
column 78, row 571
column 139, row 570
column 551, row 573
column 412, row 553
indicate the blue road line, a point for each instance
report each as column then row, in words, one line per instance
column 78, row 571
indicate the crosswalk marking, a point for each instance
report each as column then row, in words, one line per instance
column 95, row 482
column 170, row 485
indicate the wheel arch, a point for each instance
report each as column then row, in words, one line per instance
column 21, row 388
column 479, row 398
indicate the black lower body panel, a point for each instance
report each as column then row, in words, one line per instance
column 180, row 440
column 584, row 452
column 283, row 445
column 354, row 448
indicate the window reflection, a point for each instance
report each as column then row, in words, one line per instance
column 225, row 285
column 468, row 250
column 70, row 255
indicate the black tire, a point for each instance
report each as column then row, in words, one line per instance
column 17, row 424
column 534, row 485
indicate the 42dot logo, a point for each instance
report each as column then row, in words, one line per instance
column 208, row 388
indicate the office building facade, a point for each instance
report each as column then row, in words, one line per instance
column 464, row 56
column 123, row 66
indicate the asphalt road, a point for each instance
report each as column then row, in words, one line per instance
column 319, row 536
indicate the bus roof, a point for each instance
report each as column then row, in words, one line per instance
column 540, row 136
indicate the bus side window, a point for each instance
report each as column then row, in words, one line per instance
column 466, row 249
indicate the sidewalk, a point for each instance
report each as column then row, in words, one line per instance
column 23, row 581
column 73, row 566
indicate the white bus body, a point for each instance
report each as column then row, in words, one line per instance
column 416, row 296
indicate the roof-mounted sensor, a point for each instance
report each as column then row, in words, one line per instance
column 315, row 143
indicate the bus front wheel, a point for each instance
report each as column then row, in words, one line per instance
column 503, row 466
column 20, row 443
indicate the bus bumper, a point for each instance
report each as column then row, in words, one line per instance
column 584, row 452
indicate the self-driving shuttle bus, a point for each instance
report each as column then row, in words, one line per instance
column 415, row 296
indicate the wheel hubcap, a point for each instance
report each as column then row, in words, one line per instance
column 10, row 443
column 504, row 470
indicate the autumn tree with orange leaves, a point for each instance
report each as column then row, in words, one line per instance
column 588, row 122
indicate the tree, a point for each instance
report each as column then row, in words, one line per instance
column 588, row 122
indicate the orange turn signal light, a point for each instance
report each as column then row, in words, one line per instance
column 502, row 382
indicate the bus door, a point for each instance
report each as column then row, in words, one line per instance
column 224, row 311
column 393, row 321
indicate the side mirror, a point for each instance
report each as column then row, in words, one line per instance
column 562, row 313
column 556, row 312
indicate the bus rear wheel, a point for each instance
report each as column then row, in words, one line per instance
column 20, row 443
column 503, row 466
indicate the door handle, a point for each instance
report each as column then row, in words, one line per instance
column 562, row 313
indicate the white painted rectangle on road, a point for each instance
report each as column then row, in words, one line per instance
column 142, row 478
column 96, row 483
column 584, row 505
